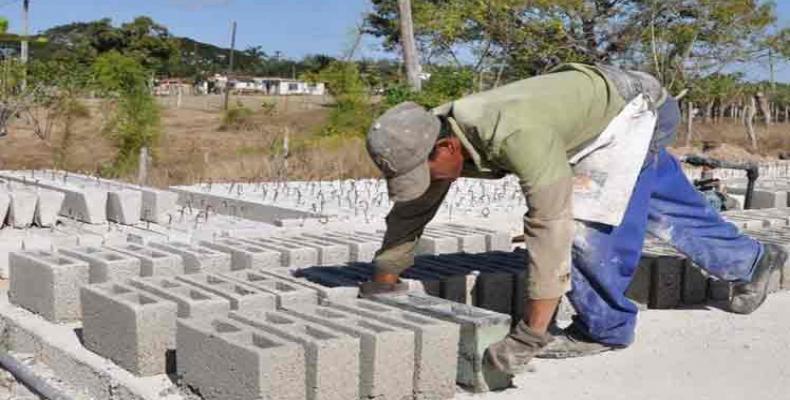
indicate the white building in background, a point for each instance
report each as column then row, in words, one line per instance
column 268, row 86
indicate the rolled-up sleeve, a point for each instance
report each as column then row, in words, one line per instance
column 545, row 176
column 405, row 224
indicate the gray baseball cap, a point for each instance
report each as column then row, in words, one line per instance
column 399, row 142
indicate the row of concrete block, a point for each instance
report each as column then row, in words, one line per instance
column 759, row 218
column 415, row 347
column 97, row 201
column 48, row 282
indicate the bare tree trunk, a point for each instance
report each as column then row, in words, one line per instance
column 410, row 57
column 751, row 111
column 762, row 103
column 708, row 112
column 690, row 115
column 787, row 114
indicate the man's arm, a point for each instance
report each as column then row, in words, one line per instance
column 546, row 179
column 405, row 223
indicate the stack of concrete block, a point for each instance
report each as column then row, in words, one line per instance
column 47, row 284
column 106, row 265
column 128, row 326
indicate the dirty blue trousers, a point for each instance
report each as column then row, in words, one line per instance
column 665, row 204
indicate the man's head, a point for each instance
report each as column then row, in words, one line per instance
column 406, row 144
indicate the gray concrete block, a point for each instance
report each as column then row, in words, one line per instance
column 83, row 204
column 153, row 262
column 5, row 202
column 769, row 199
column 47, row 208
column 386, row 365
column 157, row 204
column 192, row 301
column 241, row 296
column 639, row 289
column 224, row 359
column 435, row 346
column 666, row 288
column 468, row 242
column 495, row 240
column 338, row 294
column 47, row 284
column 196, row 258
column 22, row 208
column 328, row 253
column 361, row 249
column 479, row 329
column 291, row 255
column 432, row 244
column 124, row 206
column 133, row 329
column 106, row 265
column 719, row 290
column 695, row 285
column 245, row 255
column 331, row 357
column 288, row 295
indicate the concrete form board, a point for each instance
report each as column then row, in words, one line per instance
column 479, row 329
column 331, row 357
column 124, row 206
column 106, row 265
column 48, row 206
column 22, row 208
column 226, row 360
column 240, row 295
column 133, row 329
column 47, row 284
column 196, row 258
column 288, row 295
column 435, row 346
column 386, row 358
column 153, row 262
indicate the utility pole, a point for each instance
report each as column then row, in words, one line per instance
column 230, row 68
column 410, row 57
column 25, row 12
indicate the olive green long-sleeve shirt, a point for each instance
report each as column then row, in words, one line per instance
column 530, row 128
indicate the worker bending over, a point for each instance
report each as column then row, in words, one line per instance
column 552, row 131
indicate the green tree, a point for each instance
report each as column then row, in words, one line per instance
column 134, row 119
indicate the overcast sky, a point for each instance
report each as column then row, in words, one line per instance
column 294, row 27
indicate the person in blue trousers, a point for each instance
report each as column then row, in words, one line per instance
column 665, row 204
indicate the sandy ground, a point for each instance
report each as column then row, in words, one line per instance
column 679, row 354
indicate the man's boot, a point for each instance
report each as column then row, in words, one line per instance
column 512, row 354
column 747, row 297
column 571, row 343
